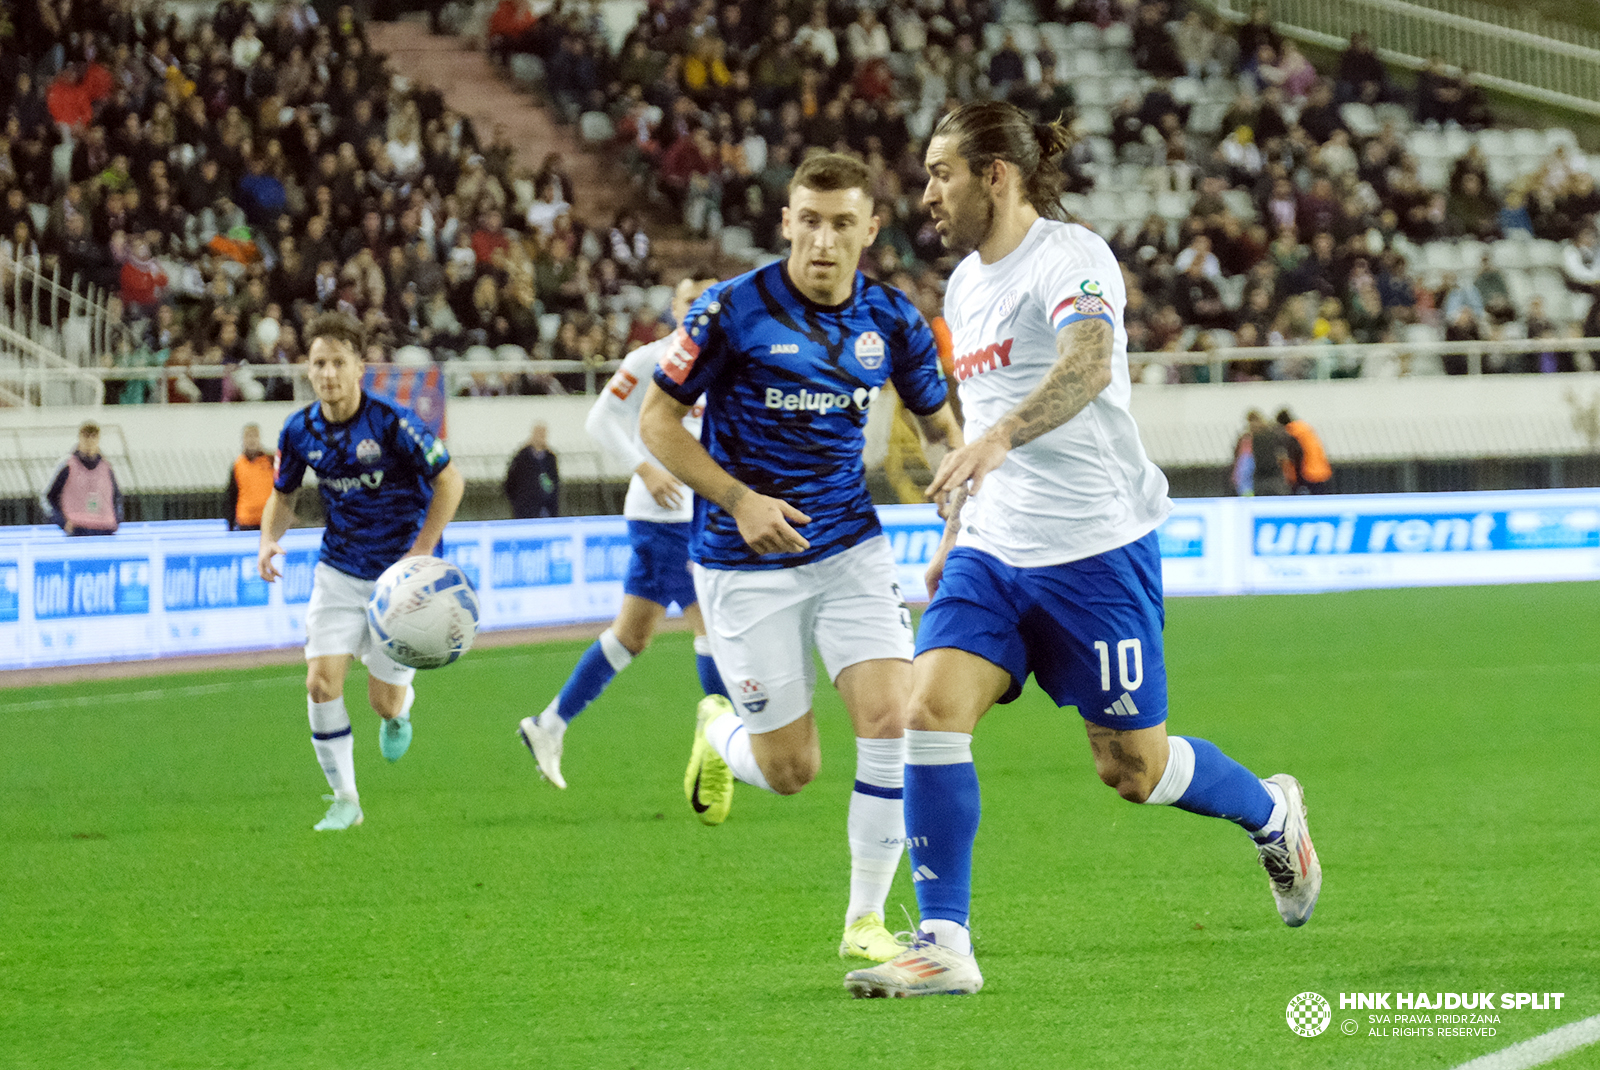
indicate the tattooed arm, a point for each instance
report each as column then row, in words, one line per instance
column 1082, row 369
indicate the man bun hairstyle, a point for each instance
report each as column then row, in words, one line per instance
column 989, row 130
column 338, row 327
column 829, row 171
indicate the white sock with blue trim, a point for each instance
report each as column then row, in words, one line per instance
column 731, row 740
column 877, row 824
column 334, row 745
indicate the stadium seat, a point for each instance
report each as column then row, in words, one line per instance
column 1086, row 63
column 1426, row 144
column 1171, row 205
column 1239, row 203
column 595, row 127
column 510, row 352
column 1433, row 172
column 478, row 353
column 413, row 357
column 1084, row 34
column 1510, row 254
column 1542, row 252
column 1361, row 119
column 1101, row 148
column 1206, row 117
column 1118, row 35
column 1105, row 206
column 1092, row 93
column 1438, row 256
column 1560, row 135
column 1055, row 37
column 1094, row 120
column 1231, row 289
column 1137, row 203
column 657, row 299
column 1398, row 114
column 1528, row 144
column 1469, row 255
column 1456, row 142
column 527, row 69
column 1076, row 203
column 1519, row 285
column 1578, row 306
column 1187, row 90
column 1495, row 143
column 735, row 241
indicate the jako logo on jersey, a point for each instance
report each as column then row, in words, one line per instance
column 869, row 350
column 992, row 356
column 1008, row 304
column 806, row 401
column 752, row 696
column 345, row 484
column 622, row 384
column 784, row 347
column 678, row 360
column 368, row 451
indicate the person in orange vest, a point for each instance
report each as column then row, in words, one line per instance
column 1312, row 472
column 250, row 483
column 83, row 498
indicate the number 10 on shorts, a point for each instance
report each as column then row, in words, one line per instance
column 1130, row 663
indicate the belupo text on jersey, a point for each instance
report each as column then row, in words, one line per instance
column 809, row 401
column 787, row 386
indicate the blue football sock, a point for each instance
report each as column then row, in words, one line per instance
column 1221, row 787
column 710, row 678
column 605, row 658
column 942, row 810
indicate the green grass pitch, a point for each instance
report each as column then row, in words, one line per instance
column 165, row 903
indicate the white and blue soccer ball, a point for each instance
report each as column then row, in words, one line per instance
column 423, row 612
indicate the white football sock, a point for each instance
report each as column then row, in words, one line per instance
column 877, row 824
column 951, row 934
column 551, row 721
column 409, row 701
column 730, row 739
column 334, row 745
column 1280, row 814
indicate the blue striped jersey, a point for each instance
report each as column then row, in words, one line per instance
column 787, row 385
column 373, row 472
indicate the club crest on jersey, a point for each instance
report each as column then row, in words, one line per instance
column 368, row 451
column 1088, row 305
column 752, row 696
column 1008, row 304
column 869, row 350
column 678, row 361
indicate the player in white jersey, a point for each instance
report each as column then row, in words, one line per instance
column 659, row 511
column 1049, row 563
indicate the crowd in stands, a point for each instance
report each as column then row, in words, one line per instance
column 227, row 179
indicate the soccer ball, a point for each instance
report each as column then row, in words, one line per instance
column 423, row 612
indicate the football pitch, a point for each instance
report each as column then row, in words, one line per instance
column 165, row 903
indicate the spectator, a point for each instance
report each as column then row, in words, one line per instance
column 533, row 483
column 83, row 497
column 142, row 281
column 1492, row 287
column 1471, row 212
column 1312, row 472
column 249, row 483
column 1154, row 50
column 1362, row 76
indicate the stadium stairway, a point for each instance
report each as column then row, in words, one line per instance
column 475, row 88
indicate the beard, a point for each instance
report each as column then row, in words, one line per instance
column 976, row 221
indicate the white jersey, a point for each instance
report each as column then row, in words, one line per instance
column 614, row 423
column 1087, row 486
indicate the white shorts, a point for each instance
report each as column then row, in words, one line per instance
column 336, row 623
column 766, row 626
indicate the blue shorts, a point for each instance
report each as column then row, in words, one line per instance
column 658, row 571
column 1089, row 631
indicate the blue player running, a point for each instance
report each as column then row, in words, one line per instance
column 1049, row 563
column 790, row 358
column 658, row 511
column 388, row 488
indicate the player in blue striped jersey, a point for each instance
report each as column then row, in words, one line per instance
column 388, row 488
column 789, row 558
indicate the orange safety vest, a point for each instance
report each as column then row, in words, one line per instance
column 254, row 478
column 1314, row 466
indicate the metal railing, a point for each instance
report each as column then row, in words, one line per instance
column 73, row 318
column 34, row 374
column 1378, row 360
column 460, row 375
column 1515, row 51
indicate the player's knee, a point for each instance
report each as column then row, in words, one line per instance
column 791, row 772
column 321, row 688
column 1131, row 783
column 634, row 639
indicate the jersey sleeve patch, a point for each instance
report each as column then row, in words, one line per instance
column 622, row 384
column 678, row 361
column 1084, row 306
